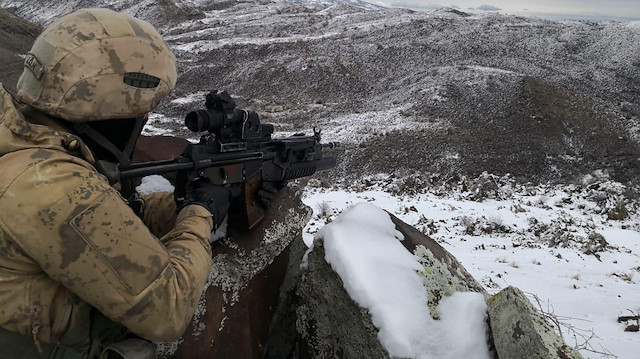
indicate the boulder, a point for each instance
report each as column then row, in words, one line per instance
column 443, row 274
column 329, row 323
column 519, row 331
column 157, row 148
column 316, row 318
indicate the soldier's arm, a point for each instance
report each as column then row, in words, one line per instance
column 86, row 237
column 158, row 212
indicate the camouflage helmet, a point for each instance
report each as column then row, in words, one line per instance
column 97, row 64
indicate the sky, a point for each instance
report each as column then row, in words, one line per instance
column 592, row 10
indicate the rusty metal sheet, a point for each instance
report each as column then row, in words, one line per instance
column 241, row 295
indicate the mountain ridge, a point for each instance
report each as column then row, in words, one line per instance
column 459, row 92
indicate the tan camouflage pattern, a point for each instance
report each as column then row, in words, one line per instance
column 159, row 213
column 75, row 68
column 69, row 242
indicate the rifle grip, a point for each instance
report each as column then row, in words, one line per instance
column 252, row 212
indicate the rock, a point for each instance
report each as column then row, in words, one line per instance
column 157, row 148
column 519, row 331
column 316, row 318
column 241, row 295
column 632, row 328
column 595, row 243
column 444, row 275
column 306, row 313
column 282, row 339
column 619, row 212
column 329, row 323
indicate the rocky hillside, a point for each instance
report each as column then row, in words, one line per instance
column 16, row 37
column 410, row 91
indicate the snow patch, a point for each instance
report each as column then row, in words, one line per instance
column 154, row 183
column 157, row 125
column 201, row 46
column 359, row 127
column 362, row 246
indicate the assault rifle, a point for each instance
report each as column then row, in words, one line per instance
column 238, row 150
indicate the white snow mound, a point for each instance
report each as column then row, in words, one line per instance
column 363, row 247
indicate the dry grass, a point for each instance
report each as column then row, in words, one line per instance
column 324, row 209
column 627, row 277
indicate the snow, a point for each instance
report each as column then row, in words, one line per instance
column 359, row 127
column 196, row 97
column 154, row 183
column 154, row 126
column 362, row 246
column 493, row 239
column 356, row 3
column 196, row 47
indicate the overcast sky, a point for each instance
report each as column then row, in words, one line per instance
column 594, row 10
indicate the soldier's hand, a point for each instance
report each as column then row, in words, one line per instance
column 267, row 192
column 214, row 198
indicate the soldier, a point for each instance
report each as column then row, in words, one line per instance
column 81, row 274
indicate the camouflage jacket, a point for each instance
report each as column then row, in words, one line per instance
column 69, row 242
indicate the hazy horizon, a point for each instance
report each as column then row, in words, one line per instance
column 590, row 10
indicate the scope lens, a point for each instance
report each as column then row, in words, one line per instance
column 197, row 121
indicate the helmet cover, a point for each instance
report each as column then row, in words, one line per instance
column 97, row 64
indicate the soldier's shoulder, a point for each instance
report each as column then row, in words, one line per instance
column 44, row 162
column 7, row 106
column 45, row 174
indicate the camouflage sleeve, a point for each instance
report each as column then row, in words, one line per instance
column 159, row 212
column 86, row 237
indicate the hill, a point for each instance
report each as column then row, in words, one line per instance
column 411, row 91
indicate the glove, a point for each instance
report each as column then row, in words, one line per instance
column 267, row 192
column 214, row 198
column 138, row 205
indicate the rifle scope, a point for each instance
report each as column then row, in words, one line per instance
column 228, row 123
column 213, row 120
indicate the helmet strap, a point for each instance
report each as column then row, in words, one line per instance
column 122, row 156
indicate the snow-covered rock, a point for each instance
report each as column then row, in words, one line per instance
column 365, row 293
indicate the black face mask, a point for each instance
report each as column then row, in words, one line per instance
column 111, row 140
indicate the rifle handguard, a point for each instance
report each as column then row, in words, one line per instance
column 304, row 169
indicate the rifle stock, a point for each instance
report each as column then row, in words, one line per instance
column 251, row 212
